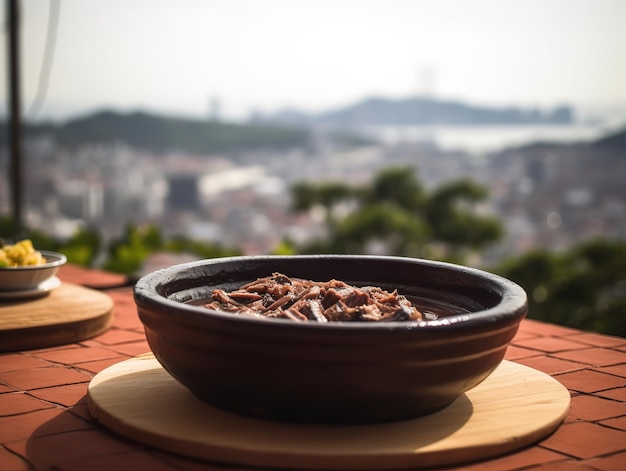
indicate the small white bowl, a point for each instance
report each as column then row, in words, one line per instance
column 30, row 276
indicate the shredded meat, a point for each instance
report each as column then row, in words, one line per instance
column 296, row 299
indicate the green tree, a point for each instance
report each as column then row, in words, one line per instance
column 183, row 244
column 327, row 195
column 451, row 212
column 83, row 247
column 397, row 185
column 584, row 287
column 396, row 215
column 128, row 253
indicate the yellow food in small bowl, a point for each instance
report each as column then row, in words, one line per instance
column 20, row 254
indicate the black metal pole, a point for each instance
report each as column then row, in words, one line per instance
column 15, row 122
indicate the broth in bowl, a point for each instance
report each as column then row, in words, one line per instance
column 279, row 296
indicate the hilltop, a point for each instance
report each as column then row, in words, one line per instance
column 161, row 134
column 377, row 111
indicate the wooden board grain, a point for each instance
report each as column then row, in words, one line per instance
column 514, row 407
column 67, row 314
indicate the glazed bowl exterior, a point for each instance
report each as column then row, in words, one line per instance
column 335, row 372
column 30, row 276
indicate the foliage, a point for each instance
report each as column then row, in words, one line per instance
column 81, row 248
column 453, row 222
column 327, row 194
column 182, row 244
column 397, row 216
column 128, row 253
column 584, row 287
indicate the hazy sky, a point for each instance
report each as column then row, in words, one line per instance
column 177, row 55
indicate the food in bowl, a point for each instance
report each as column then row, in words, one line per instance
column 22, row 268
column 281, row 297
column 330, row 372
column 21, row 253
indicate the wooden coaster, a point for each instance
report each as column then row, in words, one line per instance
column 66, row 314
column 512, row 408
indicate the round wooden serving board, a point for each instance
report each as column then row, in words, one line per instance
column 513, row 407
column 66, row 314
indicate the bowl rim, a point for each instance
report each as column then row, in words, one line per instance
column 512, row 306
column 59, row 259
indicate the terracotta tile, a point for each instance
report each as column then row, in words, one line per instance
column 594, row 356
column 132, row 349
column 77, row 355
column 19, row 403
column 550, row 344
column 67, row 395
column 545, row 329
column 616, row 462
column 39, row 353
column 593, row 408
column 568, row 465
column 89, row 276
column 5, row 388
column 550, row 365
column 11, row 462
column 124, row 301
column 618, row 394
column 514, row 353
column 81, row 410
column 89, row 343
column 618, row 423
column 599, row 340
column 49, row 436
column 569, row 419
column 523, row 459
column 585, row 440
column 44, row 377
column 51, row 451
column 123, row 297
column 617, row 370
column 126, row 307
column 18, row 427
column 97, row 366
column 127, row 321
column 524, row 332
column 138, row 460
column 589, row 381
column 17, row 361
column 116, row 336
column 52, row 349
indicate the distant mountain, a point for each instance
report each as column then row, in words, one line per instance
column 161, row 134
column 421, row 111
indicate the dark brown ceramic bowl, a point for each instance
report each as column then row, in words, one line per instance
column 335, row 372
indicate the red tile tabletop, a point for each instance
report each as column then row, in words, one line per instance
column 45, row 425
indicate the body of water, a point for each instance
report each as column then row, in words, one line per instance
column 481, row 139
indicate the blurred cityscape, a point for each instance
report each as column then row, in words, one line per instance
column 550, row 194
